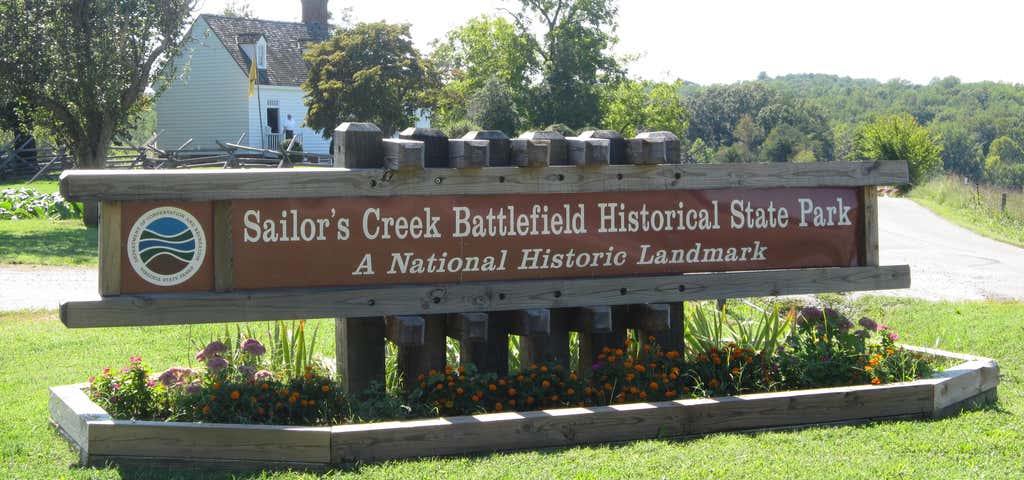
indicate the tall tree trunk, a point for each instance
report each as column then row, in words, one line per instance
column 92, row 155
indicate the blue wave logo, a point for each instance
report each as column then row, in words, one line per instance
column 166, row 246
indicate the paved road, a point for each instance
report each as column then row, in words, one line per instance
column 946, row 262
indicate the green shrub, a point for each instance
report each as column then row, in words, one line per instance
column 20, row 203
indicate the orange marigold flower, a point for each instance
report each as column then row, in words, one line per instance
column 260, row 411
column 511, row 392
column 475, row 398
column 451, row 384
column 670, row 394
column 606, row 350
column 492, row 387
column 533, row 367
column 602, row 356
column 735, row 370
column 876, row 381
column 545, row 384
column 292, row 399
column 750, row 360
column 512, row 402
column 307, row 376
column 459, row 391
column 432, row 373
column 304, row 403
column 421, row 377
column 716, row 360
column 498, row 406
column 206, row 410
column 650, row 338
column 309, row 368
column 544, row 368
column 573, row 377
column 501, row 382
column 216, row 385
column 448, row 369
column 462, row 369
column 554, row 398
column 647, row 348
column 530, row 400
column 713, row 383
column 640, row 368
column 633, row 390
column 235, row 394
column 571, row 391
column 439, row 387
column 618, row 351
column 672, row 355
column 652, row 385
column 264, row 386
column 519, row 378
column 588, row 390
column 643, row 395
column 449, row 378
column 611, row 359
column 607, row 386
column 325, row 388
column 629, row 342
column 868, row 368
column 630, row 377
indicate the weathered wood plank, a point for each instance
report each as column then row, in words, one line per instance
column 490, row 355
column 964, row 381
column 435, row 145
column 247, row 306
column 71, row 411
column 673, row 152
column 110, row 248
column 534, row 321
column 618, row 153
column 498, row 146
column 467, row 327
column 550, row 347
column 589, row 152
column 210, row 441
column 558, row 153
column 644, row 151
column 416, row 360
column 590, row 319
column 531, row 153
column 358, row 145
column 223, row 248
column 191, row 185
column 870, row 216
column 575, row 426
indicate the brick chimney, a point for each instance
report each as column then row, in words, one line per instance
column 315, row 16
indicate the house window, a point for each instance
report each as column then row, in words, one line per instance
column 261, row 56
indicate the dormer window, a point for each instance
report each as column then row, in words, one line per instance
column 261, row 54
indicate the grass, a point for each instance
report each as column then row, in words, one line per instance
column 37, row 351
column 47, row 242
column 976, row 209
column 42, row 186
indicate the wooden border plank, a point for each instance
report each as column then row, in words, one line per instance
column 183, row 185
column 71, row 410
column 110, row 248
column 247, row 306
column 268, row 443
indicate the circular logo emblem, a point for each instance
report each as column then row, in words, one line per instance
column 166, row 246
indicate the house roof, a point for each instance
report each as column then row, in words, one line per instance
column 285, row 41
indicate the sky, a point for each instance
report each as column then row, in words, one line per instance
column 724, row 41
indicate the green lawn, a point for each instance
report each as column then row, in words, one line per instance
column 47, row 242
column 37, row 351
column 42, row 186
column 976, row 209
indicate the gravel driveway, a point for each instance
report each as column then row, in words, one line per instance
column 946, row 263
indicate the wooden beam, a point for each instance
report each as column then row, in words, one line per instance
column 534, row 321
column 248, row 306
column 110, row 248
column 490, row 355
column 191, row 185
column 558, row 153
column 673, row 152
column 644, row 151
column 589, row 152
column 589, row 319
column 498, row 146
column 467, row 327
column 550, row 347
column 399, row 153
column 435, row 145
column 468, row 153
column 414, row 361
column 358, row 145
column 531, row 153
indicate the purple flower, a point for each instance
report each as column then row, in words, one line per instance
column 826, row 359
column 253, row 347
column 213, row 348
column 809, row 315
column 831, row 313
column 247, row 372
column 868, row 323
column 264, row 374
column 216, row 364
column 862, row 334
column 193, row 388
column 845, row 325
column 597, row 366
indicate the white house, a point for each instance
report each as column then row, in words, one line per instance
column 209, row 101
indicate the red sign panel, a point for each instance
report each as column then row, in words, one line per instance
column 447, row 239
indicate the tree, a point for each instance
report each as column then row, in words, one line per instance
column 1007, row 150
column 900, row 137
column 471, row 55
column 783, row 143
column 85, row 66
column 633, row 106
column 575, row 36
column 238, row 8
column 492, row 108
column 369, row 72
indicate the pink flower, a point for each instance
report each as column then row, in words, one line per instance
column 216, row 364
column 150, row 383
column 106, row 372
column 193, row 388
column 135, row 359
column 215, row 347
column 247, row 371
column 264, row 374
column 92, row 379
column 893, row 337
column 253, row 347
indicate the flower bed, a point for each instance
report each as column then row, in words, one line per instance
column 708, row 388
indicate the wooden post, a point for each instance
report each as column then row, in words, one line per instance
column 646, row 151
column 550, row 347
column 358, row 145
column 531, row 153
column 359, row 342
column 468, row 153
column 405, row 330
column 499, row 154
column 673, row 149
column 1002, row 203
column 558, row 153
column 110, row 248
column 490, row 355
column 435, row 144
column 870, row 198
column 359, row 345
column 589, row 152
column 617, row 151
column 399, row 154
column 416, row 360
